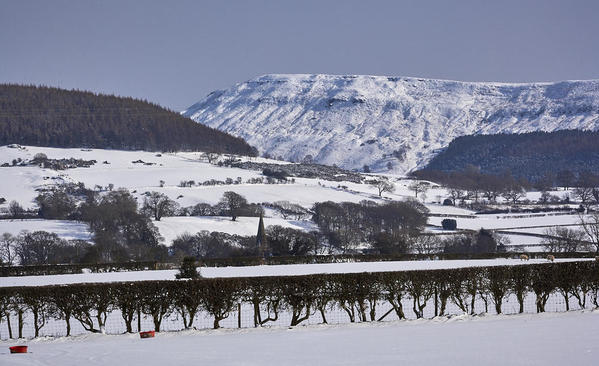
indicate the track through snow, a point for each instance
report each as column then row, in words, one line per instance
column 530, row 339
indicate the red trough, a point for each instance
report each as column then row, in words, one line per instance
column 18, row 349
column 148, row 334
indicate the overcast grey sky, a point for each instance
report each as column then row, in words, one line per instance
column 175, row 52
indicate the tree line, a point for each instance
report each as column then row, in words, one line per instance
column 475, row 185
column 44, row 116
column 527, row 155
column 122, row 229
column 282, row 241
column 389, row 228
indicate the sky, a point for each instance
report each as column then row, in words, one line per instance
column 174, row 53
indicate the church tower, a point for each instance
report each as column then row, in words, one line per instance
column 261, row 243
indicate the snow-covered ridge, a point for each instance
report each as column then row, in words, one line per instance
column 355, row 120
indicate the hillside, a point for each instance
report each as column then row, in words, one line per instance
column 43, row 116
column 528, row 155
column 386, row 122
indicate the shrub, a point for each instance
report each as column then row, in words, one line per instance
column 39, row 158
column 15, row 210
column 276, row 174
column 188, row 268
column 56, row 204
column 449, row 224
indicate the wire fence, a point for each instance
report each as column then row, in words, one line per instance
column 334, row 314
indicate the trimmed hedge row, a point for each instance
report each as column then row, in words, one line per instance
column 51, row 269
column 342, row 258
column 357, row 295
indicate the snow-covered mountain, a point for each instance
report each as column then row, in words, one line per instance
column 374, row 120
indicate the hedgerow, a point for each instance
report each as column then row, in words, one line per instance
column 50, row 269
column 355, row 294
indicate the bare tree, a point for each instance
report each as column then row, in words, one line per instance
column 563, row 239
column 202, row 209
column 15, row 210
column 514, row 194
column 457, row 194
column 383, row 185
column 501, row 240
column 7, row 249
column 38, row 247
column 159, row 205
column 233, row 202
column 288, row 209
column 565, row 178
column 427, row 244
column 545, row 197
column 590, row 226
column 491, row 188
column 211, row 157
column 584, row 195
column 419, row 188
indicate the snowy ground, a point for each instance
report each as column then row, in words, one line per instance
column 273, row 270
column 520, row 223
column 497, row 222
column 64, row 229
column 20, row 184
column 527, row 339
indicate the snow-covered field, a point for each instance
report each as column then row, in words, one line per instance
column 118, row 168
column 495, row 222
column 265, row 270
column 526, row 339
column 513, row 223
column 121, row 169
column 64, row 229
column 19, row 183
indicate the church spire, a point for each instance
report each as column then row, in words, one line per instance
column 261, row 243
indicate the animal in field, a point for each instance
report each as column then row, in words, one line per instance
column 551, row 258
column 524, row 257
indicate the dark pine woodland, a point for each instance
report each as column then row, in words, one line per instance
column 527, row 155
column 43, row 116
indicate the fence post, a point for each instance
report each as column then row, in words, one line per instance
column 239, row 315
column 436, row 302
column 139, row 319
